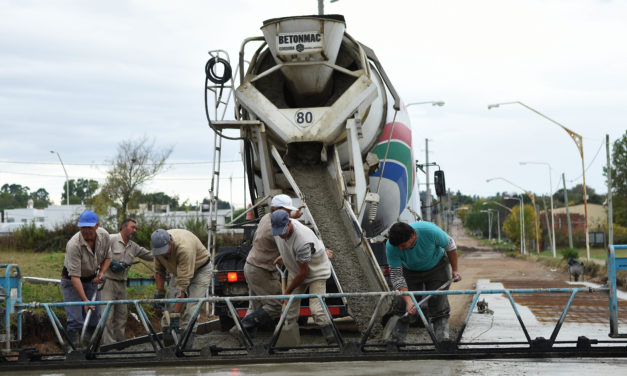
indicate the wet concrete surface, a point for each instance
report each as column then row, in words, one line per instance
column 413, row 367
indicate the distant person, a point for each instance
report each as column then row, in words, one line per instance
column 419, row 256
column 306, row 260
column 261, row 274
column 87, row 258
column 182, row 254
column 123, row 252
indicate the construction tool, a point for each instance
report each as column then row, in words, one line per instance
column 290, row 333
column 83, row 338
column 397, row 325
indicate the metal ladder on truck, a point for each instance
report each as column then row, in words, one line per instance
column 221, row 86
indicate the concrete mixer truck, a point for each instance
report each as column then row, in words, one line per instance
column 320, row 121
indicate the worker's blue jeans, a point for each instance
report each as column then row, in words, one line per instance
column 76, row 314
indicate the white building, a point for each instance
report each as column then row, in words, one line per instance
column 49, row 217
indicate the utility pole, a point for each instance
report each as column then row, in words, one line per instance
column 610, row 221
column 570, row 229
column 428, row 203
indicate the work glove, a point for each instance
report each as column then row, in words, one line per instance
column 175, row 321
column 160, row 294
column 116, row 266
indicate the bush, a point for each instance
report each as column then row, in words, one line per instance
column 620, row 234
column 30, row 236
column 568, row 253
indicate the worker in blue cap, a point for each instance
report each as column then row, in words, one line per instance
column 87, row 258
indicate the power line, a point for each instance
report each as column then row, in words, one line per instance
column 109, row 164
column 104, row 178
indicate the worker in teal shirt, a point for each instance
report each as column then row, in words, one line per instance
column 419, row 255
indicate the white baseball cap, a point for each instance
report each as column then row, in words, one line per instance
column 282, row 201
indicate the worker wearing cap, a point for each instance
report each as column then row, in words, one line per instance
column 306, row 260
column 87, row 258
column 261, row 274
column 419, row 256
column 123, row 252
column 182, row 254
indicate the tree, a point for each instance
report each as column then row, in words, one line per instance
column 575, row 195
column 511, row 226
column 41, row 198
column 14, row 196
column 157, row 198
column 135, row 163
column 619, row 180
column 81, row 191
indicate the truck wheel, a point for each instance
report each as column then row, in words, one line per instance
column 226, row 322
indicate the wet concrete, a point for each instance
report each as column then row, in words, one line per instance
column 414, row 367
column 325, row 205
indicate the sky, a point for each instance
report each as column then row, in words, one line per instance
column 78, row 77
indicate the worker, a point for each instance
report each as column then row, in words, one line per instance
column 182, row 254
column 123, row 252
column 419, row 255
column 87, row 258
column 308, row 266
column 261, row 274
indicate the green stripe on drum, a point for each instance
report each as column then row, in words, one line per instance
column 400, row 152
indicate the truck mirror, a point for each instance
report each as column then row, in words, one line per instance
column 440, row 185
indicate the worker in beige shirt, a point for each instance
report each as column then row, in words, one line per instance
column 182, row 254
column 123, row 252
column 261, row 274
column 87, row 257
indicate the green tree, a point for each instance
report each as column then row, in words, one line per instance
column 157, row 198
column 511, row 225
column 619, row 180
column 135, row 163
column 81, row 191
column 41, row 198
column 575, row 195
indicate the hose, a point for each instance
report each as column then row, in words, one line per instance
column 211, row 75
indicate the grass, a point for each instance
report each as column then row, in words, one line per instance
column 50, row 264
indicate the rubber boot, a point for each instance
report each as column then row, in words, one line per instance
column 440, row 327
column 400, row 330
column 74, row 337
column 327, row 332
column 252, row 322
column 190, row 341
column 89, row 332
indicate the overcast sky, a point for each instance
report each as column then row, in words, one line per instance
column 78, row 77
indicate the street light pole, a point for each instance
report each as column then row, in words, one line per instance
column 489, row 222
column 67, row 180
column 552, row 229
column 579, row 142
column 428, row 192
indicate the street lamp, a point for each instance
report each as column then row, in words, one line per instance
column 522, row 222
column 579, row 143
column 533, row 201
column 498, row 216
column 67, row 180
column 489, row 222
column 552, row 230
column 428, row 203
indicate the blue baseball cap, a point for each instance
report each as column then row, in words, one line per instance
column 88, row 219
column 280, row 221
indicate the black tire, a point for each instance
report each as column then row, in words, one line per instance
column 226, row 322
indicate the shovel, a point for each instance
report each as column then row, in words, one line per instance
column 89, row 313
column 290, row 333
